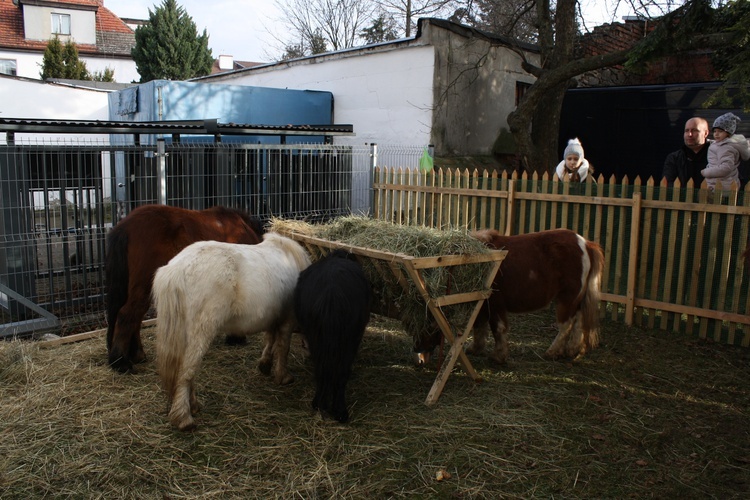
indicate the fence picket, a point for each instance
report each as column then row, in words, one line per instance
column 668, row 251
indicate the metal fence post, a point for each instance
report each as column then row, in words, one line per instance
column 373, row 165
column 161, row 171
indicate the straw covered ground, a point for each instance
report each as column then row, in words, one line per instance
column 648, row 414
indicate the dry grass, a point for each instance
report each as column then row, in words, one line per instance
column 414, row 241
column 646, row 415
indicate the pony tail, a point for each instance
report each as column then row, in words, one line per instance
column 590, row 303
column 116, row 271
column 171, row 339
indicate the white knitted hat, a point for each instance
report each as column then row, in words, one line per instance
column 574, row 148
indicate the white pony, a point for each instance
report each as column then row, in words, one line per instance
column 212, row 287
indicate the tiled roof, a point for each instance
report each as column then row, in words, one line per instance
column 113, row 36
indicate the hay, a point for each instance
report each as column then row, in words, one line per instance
column 413, row 241
column 648, row 414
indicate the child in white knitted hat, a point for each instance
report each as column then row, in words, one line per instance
column 725, row 152
column 574, row 167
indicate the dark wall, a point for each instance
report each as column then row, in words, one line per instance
column 630, row 130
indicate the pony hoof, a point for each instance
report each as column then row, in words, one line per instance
column 342, row 417
column 549, row 356
column 265, row 367
column 472, row 349
column 236, row 340
column 121, row 365
column 498, row 360
column 139, row 357
column 187, row 426
column 284, row 379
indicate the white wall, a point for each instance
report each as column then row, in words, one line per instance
column 387, row 96
column 37, row 23
column 29, row 65
column 39, row 100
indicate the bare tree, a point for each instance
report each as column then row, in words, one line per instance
column 335, row 23
column 409, row 11
column 557, row 26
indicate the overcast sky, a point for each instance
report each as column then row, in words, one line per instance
column 247, row 29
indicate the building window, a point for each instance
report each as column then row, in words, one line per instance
column 60, row 24
column 521, row 88
column 8, row 67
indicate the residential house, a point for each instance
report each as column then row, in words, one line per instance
column 450, row 86
column 103, row 40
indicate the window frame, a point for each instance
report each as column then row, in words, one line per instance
column 59, row 22
column 11, row 65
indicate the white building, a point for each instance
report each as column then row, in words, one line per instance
column 451, row 86
column 103, row 39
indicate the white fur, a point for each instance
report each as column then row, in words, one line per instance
column 213, row 287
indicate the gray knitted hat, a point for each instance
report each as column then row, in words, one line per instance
column 727, row 122
column 574, row 148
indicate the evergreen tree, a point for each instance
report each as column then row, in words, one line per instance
column 62, row 61
column 169, row 47
column 108, row 75
column 75, row 69
column 52, row 61
column 382, row 29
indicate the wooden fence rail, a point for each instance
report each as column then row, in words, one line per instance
column 673, row 254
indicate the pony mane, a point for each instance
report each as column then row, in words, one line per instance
column 252, row 221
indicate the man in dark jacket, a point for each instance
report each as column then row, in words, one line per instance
column 687, row 162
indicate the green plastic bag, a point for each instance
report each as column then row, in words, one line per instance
column 425, row 162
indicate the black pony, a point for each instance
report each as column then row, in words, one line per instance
column 332, row 304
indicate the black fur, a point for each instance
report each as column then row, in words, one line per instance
column 332, row 304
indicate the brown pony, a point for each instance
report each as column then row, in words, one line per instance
column 141, row 243
column 556, row 265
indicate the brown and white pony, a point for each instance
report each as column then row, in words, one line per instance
column 212, row 287
column 141, row 243
column 556, row 265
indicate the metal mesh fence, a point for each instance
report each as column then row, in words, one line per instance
column 58, row 200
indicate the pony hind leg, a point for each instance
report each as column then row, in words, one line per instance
column 339, row 411
column 266, row 358
column 281, row 344
column 567, row 324
column 184, row 398
column 182, row 410
column 126, row 346
column 275, row 355
column 576, row 346
column 499, row 326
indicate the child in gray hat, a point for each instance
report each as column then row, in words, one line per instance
column 574, row 167
column 724, row 153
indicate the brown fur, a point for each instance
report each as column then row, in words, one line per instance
column 141, row 243
column 541, row 268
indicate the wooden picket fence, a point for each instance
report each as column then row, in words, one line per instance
column 673, row 254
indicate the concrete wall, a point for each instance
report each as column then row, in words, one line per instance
column 20, row 98
column 474, row 92
column 386, row 95
column 450, row 86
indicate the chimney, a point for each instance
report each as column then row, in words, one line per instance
column 226, row 63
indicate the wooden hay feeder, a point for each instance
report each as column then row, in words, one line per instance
column 406, row 271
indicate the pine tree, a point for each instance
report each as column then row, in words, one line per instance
column 75, row 69
column 169, row 47
column 52, row 61
column 108, row 75
column 62, row 61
